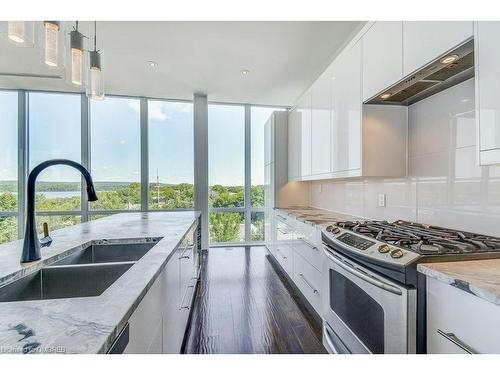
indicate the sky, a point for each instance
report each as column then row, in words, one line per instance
column 54, row 132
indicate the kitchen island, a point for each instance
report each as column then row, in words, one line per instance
column 91, row 324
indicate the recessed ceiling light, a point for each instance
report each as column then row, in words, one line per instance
column 449, row 59
column 385, row 96
column 152, row 64
column 245, row 72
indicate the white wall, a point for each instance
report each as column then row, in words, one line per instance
column 444, row 187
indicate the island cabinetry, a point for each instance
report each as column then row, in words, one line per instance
column 159, row 322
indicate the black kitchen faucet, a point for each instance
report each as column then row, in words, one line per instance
column 31, row 247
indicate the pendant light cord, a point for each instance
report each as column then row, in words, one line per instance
column 95, row 35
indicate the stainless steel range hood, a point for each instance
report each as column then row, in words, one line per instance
column 448, row 70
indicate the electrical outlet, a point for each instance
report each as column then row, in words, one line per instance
column 381, row 200
column 320, row 188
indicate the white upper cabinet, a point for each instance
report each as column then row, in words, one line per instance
column 304, row 110
column 346, row 110
column 382, row 57
column 320, row 125
column 294, row 143
column 487, row 36
column 424, row 41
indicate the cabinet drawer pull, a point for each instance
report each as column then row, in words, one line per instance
column 187, row 305
column 315, row 291
column 309, row 244
column 279, row 251
column 282, row 217
column 450, row 336
column 283, row 231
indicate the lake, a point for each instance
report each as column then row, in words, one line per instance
column 60, row 194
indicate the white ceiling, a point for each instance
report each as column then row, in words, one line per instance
column 283, row 58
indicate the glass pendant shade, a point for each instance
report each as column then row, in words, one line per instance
column 76, row 59
column 20, row 33
column 95, row 87
column 52, row 44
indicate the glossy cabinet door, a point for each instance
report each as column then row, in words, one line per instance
column 424, row 41
column 382, row 57
column 320, row 125
column 294, row 143
column 458, row 321
column 487, row 36
column 346, row 111
column 304, row 109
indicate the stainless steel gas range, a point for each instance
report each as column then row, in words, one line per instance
column 375, row 300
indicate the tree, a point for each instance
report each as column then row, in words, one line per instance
column 225, row 226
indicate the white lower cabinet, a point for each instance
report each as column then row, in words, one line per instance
column 146, row 321
column 159, row 322
column 459, row 322
column 296, row 246
column 308, row 280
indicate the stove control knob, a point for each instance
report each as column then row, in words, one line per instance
column 332, row 229
column 396, row 253
column 384, row 249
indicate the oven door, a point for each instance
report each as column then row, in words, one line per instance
column 364, row 312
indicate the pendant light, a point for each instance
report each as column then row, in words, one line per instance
column 76, row 58
column 95, row 87
column 20, row 33
column 52, row 44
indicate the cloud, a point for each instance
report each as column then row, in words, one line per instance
column 162, row 111
column 157, row 111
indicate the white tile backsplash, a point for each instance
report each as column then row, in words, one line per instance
column 444, row 184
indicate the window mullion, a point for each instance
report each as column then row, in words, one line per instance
column 248, row 177
column 85, row 153
column 144, row 155
column 22, row 160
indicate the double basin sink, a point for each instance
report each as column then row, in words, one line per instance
column 85, row 273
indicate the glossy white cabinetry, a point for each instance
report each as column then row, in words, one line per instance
column 159, row 322
column 424, row 41
column 296, row 247
column 294, row 145
column 487, row 71
column 304, row 110
column 346, row 111
column 320, row 125
column 382, row 57
column 458, row 321
column 145, row 324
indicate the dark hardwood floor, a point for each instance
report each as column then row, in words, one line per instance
column 243, row 305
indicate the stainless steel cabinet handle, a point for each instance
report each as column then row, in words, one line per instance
column 282, row 231
column 364, row 276
column 309, row 244
column 450, row 336
column 183, row 305
column 279, row 251
column 282, row 217
column 315, row 291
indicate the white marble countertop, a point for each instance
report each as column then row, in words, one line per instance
column 316, row 216
column 478, row 277
column 90, row 324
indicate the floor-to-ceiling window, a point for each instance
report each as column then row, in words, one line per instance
column 118, row 137
column 236, row 171
column 171, row 153
column 226, row 173
column 115, row 154
column 54, row 123
column 258, row 118
column 8, row 165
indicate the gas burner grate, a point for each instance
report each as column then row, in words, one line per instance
column 423, row 239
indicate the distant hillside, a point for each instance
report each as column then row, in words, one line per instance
column 63, row 186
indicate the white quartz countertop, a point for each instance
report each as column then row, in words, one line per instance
column 478, row 277
column 316, row 216
column 89, row 324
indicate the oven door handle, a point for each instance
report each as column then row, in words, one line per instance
column 364, row 276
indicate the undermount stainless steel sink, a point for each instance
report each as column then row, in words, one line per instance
column 64, row 282
column 108, row 253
